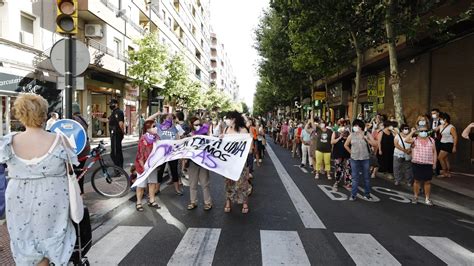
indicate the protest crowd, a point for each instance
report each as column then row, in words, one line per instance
column 350, row 153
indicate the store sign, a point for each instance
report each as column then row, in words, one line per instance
column 335, row 95
column 319, row 95
column 9, row 82
column 372, row 88
column 381, row 85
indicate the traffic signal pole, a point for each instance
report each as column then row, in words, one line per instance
column 68, row 90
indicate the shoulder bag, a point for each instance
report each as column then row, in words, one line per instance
column 76, row 206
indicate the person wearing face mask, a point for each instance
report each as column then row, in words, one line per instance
column 423, row 163
column 402, row 156
column 385, row 149
column 237, row 191
column 306, row 141
column 198, row 174
column 296, row 149
column 447, row 143
column 434, row 120
column 422, row 121
column 358, row 145
column 117, row 129
column 323, row 150
column 341, row 157
column 145, row 147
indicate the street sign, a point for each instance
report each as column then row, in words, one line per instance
column 80, row 55
column 73, row 131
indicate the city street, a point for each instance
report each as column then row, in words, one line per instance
column 294, row 220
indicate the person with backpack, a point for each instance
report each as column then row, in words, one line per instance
column 423, row 163
column 358, row 145
column 402, row 156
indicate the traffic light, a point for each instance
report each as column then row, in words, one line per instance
column 66, row 16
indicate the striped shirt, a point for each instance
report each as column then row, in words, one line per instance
column 423, row 151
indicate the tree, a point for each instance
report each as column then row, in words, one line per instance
column 147, row 64
column 178, row 88
column 245, row 108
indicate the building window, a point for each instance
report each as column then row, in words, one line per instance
column 176, row 5
column 164, row 15
column 198, row 55
column 169, row 22
column 202, row 27
column 198, row 73
column 194, row 30
column 27, row 29
column 202, row 43
column 194, row 12
column 118, row 47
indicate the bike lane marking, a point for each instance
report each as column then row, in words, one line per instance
column 307, row 214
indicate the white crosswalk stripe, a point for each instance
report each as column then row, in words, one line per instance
column 112, row 248
column 282, row 248
column 365, row 250
column 446, row 250
column 197, row 247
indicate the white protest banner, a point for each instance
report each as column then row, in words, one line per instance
column 226, row 156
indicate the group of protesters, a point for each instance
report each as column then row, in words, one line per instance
column 358, row 151
column 174, row 126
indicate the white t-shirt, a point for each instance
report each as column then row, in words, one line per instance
column 397, row 152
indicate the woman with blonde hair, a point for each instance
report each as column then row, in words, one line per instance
column 37, row 201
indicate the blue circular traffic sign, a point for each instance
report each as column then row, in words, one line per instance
column 73, row 131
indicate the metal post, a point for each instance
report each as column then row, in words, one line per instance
column 68, row 89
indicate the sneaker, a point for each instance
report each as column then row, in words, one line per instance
column 302, row 165
column 397, row 183
column 368, row 197
column 316, row 176
column 352, row 198
column 373, row 176
column 335, row 185
column 428, row 202
column 414, row 201
column 260, row 160
column 409, row 185
column 329, row 177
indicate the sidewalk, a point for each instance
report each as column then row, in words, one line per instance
column 461, row 183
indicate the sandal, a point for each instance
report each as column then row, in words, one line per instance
column 245, row 210
column 139, row 207
column 192, row 206
column 227, row 207
column 179, row 193
column 154, row 205
column 207, row 206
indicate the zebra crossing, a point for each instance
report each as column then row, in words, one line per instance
column 198, row 247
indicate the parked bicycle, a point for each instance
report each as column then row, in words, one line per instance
column 108, row 180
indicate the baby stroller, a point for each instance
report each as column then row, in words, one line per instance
column 83, row 241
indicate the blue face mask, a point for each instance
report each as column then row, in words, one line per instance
column 423, row 134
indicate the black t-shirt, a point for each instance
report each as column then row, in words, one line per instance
column 323, row 140
column 114, row 119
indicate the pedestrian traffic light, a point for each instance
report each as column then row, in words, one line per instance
column 66, row 16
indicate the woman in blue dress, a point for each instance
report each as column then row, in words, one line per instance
column 37, row 201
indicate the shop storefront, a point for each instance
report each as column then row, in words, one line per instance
column 338, row 97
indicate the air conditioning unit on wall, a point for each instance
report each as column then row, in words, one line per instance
column 94, row 31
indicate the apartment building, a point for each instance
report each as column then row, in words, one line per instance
column 108, row 28
column 222, row 74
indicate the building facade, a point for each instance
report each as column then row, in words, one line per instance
column 108, row 28
column 222, row 73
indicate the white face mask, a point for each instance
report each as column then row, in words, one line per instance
column 228, row 122
column 405, row 131
column 390, row 127
column 356, row 129
column 442, row 122
column 434, row 116
column 214, row 122
column 422, row 123
column 423, row 134
column 197, row 128
column 341, row 129
column 322, row 125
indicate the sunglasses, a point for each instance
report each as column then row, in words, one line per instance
column 196, row 125
column 423, row 130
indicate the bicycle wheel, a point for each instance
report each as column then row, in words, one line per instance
column 110, row 181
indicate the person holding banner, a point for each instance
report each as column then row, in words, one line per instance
column 145, row 146
column 198, row 174
column 237, row 191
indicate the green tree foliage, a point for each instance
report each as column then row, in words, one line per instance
column 178, row 87
column 215, row 100
column 147, row 64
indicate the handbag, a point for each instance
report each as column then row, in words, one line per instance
column 76, row 206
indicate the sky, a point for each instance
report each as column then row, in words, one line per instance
column 234, row 22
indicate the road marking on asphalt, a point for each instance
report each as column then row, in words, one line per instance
column 307, row 214
column 197, row 247
column 282, row 248
column 446, row 250
column 112, row 248
column 301, row 168
column 365, row 250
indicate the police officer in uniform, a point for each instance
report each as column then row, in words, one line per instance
column 117, row 129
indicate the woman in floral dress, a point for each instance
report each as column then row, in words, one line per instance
column 237, row 191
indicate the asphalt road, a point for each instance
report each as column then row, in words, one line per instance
column 293, row 220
